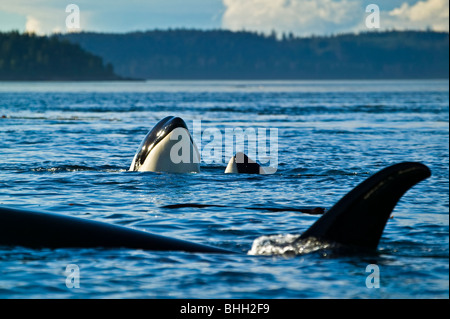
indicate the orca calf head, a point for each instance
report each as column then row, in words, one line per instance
column 162, row 150
column 242, row 164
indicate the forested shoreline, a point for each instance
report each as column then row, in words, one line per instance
column 220, row 54
column 28, row 57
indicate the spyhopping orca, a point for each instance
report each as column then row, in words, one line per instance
column 358, row 220
column 162, row 151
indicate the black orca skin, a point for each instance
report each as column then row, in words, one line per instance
column 48, row 230
column 245, row 165
column 359, row 218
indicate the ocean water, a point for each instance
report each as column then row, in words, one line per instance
column 66, row 148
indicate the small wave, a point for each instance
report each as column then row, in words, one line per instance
column 77, row 168
column 60, row 118
column 306, row 172
column 287, row 245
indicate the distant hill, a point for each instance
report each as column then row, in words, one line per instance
column 27, row 57
column 220, row 54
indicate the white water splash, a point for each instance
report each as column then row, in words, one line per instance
column 286, row 245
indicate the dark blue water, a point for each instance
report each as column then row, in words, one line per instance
column 66, row 148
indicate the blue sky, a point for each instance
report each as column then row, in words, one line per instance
column 301, row 17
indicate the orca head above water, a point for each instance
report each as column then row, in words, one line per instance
column 242, row 164
column 162, row 150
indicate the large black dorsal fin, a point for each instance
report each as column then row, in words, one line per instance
column 359, row 218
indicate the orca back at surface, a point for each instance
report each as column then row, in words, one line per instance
column 46, row 230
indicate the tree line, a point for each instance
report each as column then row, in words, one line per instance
column 28, row 57
column 221, row 54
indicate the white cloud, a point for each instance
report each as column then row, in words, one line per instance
column 432, row 14
column 46, row 16
column 306, row 17
column 297, row 16
column 42, row 16
column 302, row 17
column 33, row 25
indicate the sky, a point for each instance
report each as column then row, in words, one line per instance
column 300, row 17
